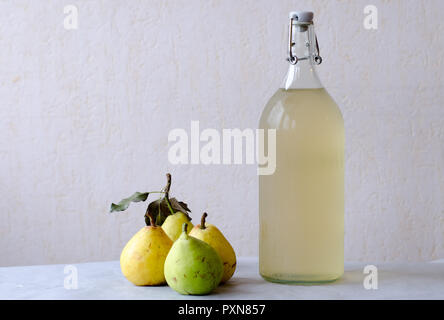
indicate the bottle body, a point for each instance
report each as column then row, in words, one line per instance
column 301, row 205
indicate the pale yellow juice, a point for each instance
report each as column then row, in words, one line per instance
column 302, row 203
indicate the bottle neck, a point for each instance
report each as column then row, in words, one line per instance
column 302, row 72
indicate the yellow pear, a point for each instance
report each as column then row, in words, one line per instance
column 143, row 257
column 173, row 225
column 212, row 235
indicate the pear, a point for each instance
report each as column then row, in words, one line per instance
column 173, row 225
column 192, row 266
column 212, row 235
column 143, row 257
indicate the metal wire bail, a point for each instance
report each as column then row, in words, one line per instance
column 293, row 59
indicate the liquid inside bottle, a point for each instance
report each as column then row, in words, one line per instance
column 301, row 205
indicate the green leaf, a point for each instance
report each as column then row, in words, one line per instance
column 124, row 204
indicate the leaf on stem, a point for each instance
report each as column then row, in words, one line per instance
column 124, row 204
column 159, row 209
column 179, row 206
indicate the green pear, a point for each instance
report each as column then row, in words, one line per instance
column 192, row 266
column 173, row 225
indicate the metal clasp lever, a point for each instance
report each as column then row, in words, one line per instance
column 291, row 58
column 317, row 57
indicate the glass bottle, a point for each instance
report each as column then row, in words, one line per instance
column 301, row 205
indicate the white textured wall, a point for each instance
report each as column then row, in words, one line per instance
column 85, row 115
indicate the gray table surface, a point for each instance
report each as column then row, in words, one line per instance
column 103, row 280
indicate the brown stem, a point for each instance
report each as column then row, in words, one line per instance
column 167, row 193
column 202, row 221
column 184, row 227
column 149, row 221
column 167, row 188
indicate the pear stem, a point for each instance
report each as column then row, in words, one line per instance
column 202, row 221
column 184, row 227
column 167, row 187
column 167, row 192
column 149, row 219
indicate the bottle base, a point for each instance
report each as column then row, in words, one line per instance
column 302, row 279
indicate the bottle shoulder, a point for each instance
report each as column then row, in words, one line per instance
column 288, row 108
